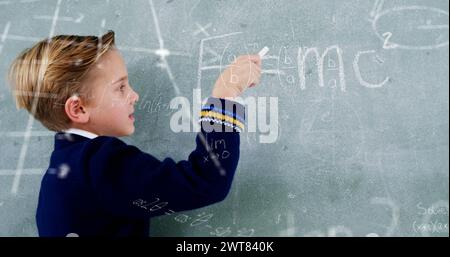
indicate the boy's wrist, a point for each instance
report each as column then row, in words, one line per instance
column 224, row 92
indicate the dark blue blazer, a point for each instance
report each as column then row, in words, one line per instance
column 104, row 187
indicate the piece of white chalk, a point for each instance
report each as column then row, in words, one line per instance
column 263, row 52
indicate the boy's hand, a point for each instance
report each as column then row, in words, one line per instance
column 244, row 72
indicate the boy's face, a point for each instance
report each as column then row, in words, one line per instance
column 112, row 105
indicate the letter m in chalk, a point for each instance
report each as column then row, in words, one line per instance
column 303, row 54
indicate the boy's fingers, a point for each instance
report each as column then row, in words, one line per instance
column 257, row 68
column 254, row 83
column 255, row 59
column 259, row 60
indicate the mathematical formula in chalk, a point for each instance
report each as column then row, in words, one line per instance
column 293, row 66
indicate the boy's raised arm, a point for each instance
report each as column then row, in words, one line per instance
column 130, row 182
column 133, row 183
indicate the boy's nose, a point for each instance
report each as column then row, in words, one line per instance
column 135, row 97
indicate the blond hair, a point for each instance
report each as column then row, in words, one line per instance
column 44, row 76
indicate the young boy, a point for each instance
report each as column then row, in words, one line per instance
column 96, row 185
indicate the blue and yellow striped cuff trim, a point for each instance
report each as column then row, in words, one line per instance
column 208, row 119
column 226, row 118
column 231, row 114
column 224, row 112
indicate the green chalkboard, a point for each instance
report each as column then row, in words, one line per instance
column 348, row 131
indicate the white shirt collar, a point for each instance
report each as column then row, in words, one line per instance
column 81, row 132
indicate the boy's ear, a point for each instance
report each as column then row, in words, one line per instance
column 75, row 110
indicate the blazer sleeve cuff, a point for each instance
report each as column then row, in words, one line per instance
column 223, row 113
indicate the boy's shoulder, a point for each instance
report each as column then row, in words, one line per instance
column 64, row 140
column 75, row 148
column 77, row 159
